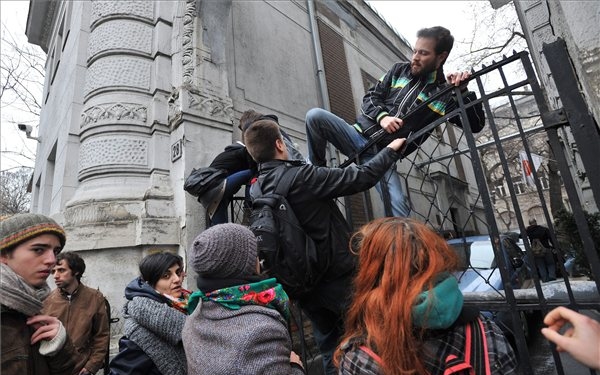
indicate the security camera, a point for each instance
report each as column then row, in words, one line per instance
column 25, row 128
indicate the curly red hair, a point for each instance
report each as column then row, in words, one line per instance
column 398, row 258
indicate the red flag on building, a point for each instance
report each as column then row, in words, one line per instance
column 527, row 167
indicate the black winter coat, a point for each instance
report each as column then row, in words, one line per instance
column 541, row 233
column 131, row 360
column 311, row 197
column 233, row 159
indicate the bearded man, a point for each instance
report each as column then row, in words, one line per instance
column 384, row 106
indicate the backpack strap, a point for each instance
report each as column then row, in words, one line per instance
column 476, row 350
column 283, row 186
column 371, row 354
column 476, row 357
column 480, row 348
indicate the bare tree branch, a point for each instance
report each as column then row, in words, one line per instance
column 14, row 197
column 22, row 73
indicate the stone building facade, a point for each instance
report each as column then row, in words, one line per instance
column 138, row 93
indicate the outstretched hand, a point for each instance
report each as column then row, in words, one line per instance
column 582, row 340
column 46, row 327
column 397, row 144
column 457, row 78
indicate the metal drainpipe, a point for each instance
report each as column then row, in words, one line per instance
column 320, row 71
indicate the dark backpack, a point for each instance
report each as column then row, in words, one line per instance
column 286, row 251
column 202, row 180
column 476, row 359
column 537, row 248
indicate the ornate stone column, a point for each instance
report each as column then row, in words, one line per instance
column 124, row 201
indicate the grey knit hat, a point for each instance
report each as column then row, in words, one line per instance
column 225, row 250
column 19, row 228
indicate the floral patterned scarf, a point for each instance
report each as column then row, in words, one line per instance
column 266, row 293
column 180, row 303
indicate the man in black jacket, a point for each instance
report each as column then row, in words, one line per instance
column 544, row 262
column 385, row 105
column 311, row 197
column 240, row 169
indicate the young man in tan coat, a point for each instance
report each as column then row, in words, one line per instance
column 82, row 310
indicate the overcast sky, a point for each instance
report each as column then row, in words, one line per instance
column 14, row 17
column 407, row 17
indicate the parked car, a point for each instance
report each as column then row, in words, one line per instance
column 479, row 267
column 480, row 273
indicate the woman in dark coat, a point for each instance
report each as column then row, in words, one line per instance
column 154, row 314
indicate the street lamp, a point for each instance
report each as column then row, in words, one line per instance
column 27, row 129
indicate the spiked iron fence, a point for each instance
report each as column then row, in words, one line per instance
column 464, row 184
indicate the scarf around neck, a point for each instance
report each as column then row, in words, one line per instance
column 439, row 307
column 180, row 303
column 18, row 295
column 267, row 293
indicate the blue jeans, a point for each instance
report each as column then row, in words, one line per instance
column 233, row 184
column 323, row 126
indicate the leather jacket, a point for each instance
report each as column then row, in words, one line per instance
column 311, row 196
column 85, row 318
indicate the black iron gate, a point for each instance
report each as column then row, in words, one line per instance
column 481, row 190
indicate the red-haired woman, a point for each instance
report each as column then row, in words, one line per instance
column 407, row 314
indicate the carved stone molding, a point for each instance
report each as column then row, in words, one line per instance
column 114, row 113
column 113, row 71
column 210, row 105
column 109, row 150
column 142, row 8
column 100, row 212
column 121, row 34
column 198, row 102
column 175, row 111
column 187, row 56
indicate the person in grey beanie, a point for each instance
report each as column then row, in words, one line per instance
column 31, row 343
column 238, row 322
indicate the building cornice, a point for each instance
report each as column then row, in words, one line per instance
column 39, row 22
